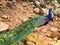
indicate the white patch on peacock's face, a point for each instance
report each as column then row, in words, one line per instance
column 50, row 7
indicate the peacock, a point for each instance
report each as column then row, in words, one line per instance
column 45, row 19
column 19, row 32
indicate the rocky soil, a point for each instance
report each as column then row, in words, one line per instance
column 15, row 12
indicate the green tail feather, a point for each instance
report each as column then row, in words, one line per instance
column 6, row 38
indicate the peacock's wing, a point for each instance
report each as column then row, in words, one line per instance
column 42, row 21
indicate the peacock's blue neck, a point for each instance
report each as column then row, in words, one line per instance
column 49, row 14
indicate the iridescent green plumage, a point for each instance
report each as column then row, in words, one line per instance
column 6, row 38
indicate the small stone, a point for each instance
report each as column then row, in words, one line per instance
column 24, row 11
column 14, row 1
column 21, row 43
column 3, row 26
column 53, row 29
column 33, row 6
column 55, row 18
column 57, row 11
column 5, row 16
column 31, row 3
column 30, row 43
column 37, row 3
column 57, row 43
column 25, row 4
column 45, row 11
column 36, row 10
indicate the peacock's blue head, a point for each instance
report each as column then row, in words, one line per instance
column 49, row 14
